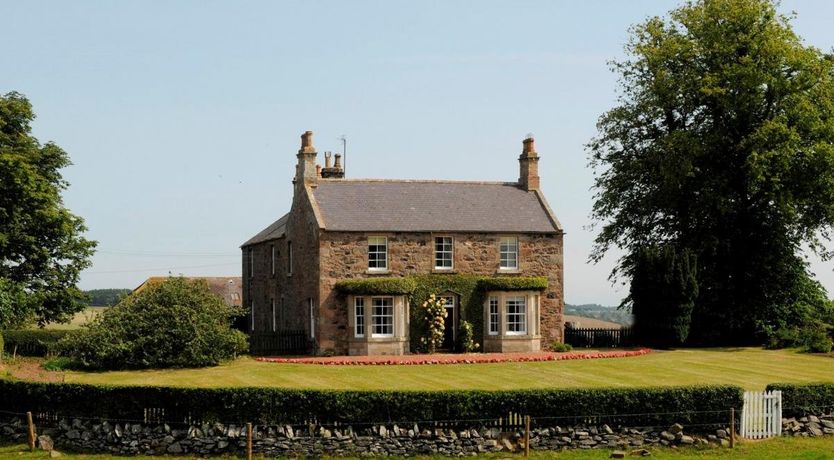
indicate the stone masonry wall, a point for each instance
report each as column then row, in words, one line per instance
column 317, row 441
column 345, row 255
column 291, row 289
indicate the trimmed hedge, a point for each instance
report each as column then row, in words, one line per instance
column 515, row 283
column 32, row 342
column 653, row 406
column 376, row 286
column 804, row 399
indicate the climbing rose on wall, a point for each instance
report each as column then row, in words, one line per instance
column 434, row 314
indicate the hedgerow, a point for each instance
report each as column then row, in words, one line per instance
column 803, row 399
column 32, row 342
column 628, row 407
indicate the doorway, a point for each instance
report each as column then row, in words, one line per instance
column 450, row 303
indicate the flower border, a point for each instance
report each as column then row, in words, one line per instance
column 472, row 358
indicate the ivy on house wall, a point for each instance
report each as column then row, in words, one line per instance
column 469, row 289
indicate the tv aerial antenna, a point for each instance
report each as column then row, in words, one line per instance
column 343, row 138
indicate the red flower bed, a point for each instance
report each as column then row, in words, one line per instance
column 471, row 358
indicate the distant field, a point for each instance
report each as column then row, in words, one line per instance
column 750, row 368
column 80, row 318
column 583, row 321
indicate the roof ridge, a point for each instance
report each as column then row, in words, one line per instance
column 421, row 181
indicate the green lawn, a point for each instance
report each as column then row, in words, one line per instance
column 780, row 448
column 750, row 368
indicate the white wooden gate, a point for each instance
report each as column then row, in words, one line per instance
column 762, row 414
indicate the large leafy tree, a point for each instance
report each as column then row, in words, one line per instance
column 664, row 287
column 42, row 248
column 722, row 142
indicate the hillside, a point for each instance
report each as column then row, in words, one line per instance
column 600, row 312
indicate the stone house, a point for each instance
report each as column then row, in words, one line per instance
column 340, row 229
column 228, row 287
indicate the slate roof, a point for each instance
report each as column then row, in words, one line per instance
column 275, row 230
column 230, row 288
column 436, row 206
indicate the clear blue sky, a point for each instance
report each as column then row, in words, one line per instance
column 183, row 118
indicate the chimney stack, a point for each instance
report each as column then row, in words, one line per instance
column 306, row 168
column 529, row 165
column 332, row 170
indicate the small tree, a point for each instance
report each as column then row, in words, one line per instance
column 434, row 315
column 176, row 323
column 663, row 292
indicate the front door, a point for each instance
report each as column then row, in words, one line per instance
column 450, row 332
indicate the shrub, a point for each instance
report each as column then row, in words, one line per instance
column 176, row 323
column 467, row 337
column 58, row 363
column 559, row 347
column 373, row 286
column 615, row 406
column 33, row 342
column 811, row 338
column 804, row 399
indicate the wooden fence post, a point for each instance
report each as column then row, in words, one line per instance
column 732, row 427
column 249, row 441
column 526, row 435
column 31, row 431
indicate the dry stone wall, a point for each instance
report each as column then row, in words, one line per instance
column 317, row 441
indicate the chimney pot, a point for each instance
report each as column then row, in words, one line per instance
column 307, row 143
column 529, row 145
column 338, row 164
column 318, row 170
column 328, row 159
column 306, row 168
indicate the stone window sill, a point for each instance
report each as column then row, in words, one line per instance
column 450, row 271
column 377, row 272
column 508, row 271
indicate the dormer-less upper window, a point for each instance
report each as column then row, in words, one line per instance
column 508, row 248
column 444, row 253
column 377, row 253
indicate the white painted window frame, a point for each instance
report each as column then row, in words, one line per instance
column 289, row 258
column 252, row 314
column 522, row 322
column 494, row 316
column 359, row 319
column 450, row 252
column 385, row 253
column 507, row 241
column 272, row 305
column 375, row 316
column 312, row 319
